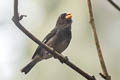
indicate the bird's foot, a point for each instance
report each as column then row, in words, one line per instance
column 53, row 50
column 64, row 60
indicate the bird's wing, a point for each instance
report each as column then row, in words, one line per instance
column 50, row 35
column 45, row 40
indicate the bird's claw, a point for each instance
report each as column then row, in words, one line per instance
column 64, row 60
column 54, row 55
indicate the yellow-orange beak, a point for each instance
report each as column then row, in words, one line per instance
column 68, row 16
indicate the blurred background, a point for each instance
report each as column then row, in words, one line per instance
column 16, row 49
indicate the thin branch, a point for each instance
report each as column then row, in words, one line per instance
column 114, row 4
column 103, row 76
column 97, row 41
column 16, row 18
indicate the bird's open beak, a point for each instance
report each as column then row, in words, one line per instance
column 68, row 16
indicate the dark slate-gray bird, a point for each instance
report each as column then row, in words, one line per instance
column 59, row 39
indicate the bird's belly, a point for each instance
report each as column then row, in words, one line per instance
column 59, row 42
column 60, row 47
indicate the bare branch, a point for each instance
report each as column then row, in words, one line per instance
column 103, row 76
column 114, row 5
column 97, row 41
column 60, row 57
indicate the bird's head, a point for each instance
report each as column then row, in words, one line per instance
column 64, row 20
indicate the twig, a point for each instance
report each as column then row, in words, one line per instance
column 103, row 76
column 97, row 41
column 16, row 18
column 114, row 4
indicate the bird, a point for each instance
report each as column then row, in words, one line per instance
column 58, row 39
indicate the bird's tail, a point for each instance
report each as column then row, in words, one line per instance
column 28, row 67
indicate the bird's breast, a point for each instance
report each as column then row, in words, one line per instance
column 62, row 41
column 61, row 46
